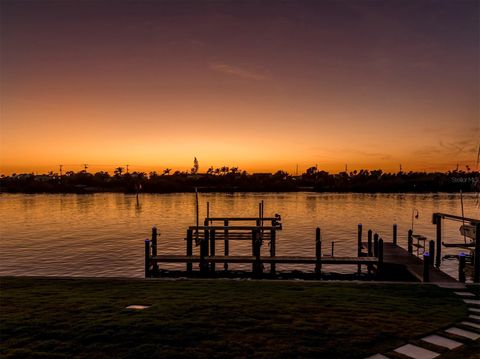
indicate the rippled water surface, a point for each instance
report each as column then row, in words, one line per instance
column 102, row 234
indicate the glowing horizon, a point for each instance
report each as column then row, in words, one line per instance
column 260, row 86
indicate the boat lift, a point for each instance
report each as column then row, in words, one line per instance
column 473, row 226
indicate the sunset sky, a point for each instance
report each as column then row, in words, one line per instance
column 262, row 85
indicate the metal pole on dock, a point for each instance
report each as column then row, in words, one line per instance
column 273, row 237
column 212, row 248
column 375, row 245
column 226, row 243
column 476, row 259
column 426, row 267
column 189, row 248
column 461, row 267
column 395, row 234
column 318, row 253
column 410, row 241
column 438, row 221
column 431, row 251
column 147, row 258
column 369, row 243
column 154, row 249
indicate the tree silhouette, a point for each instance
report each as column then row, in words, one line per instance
column 118, row 171
column 195, row 166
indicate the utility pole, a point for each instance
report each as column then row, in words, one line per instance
column 60, row 167
column 127, row 167
column 85, row 166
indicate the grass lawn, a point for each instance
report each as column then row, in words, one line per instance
column 85, row 318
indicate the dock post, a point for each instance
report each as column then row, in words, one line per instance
column 154, row 249
column 318, row 253
column 369, row 244
column 257, row 264
column 359, row 246
column 212, row 248
column 380, row 253
column 461, row 267
column 431, row 252
column 395, row 234
column 410, row 241
column 226, row 244
column 426, row 267
column 189, row 248
column 476, row 259
column 208, row 209
column 273, row 237
column 438, row 221
column 147, row 258
column 204, row 252
column 375, row 245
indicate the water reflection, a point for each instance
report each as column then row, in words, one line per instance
column 102, row 234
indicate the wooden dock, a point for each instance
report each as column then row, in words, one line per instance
column 397, row 256
column 381, row 260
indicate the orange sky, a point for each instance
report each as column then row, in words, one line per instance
column 261, row 86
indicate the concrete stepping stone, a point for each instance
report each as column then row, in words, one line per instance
column 377, row 356
column 475, row 310
column 463, row 333
column 415, row 352
column 137, row 307
column 474, row 325
column 465, row 294
column 451, row 285
column 441, row 341
column 472, row 316
column 472, row 301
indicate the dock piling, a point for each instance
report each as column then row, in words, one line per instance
column 461, row 267
column 426, row 267
column 204, row 252
column 380, row 253
column 212, row 248
column 369, row 243
column 476, row 259
column 273, row 235
column 147, row 258
column 410, row 241
column 154, row 249
column 431, row 251
column 318, row 253
column 256, row 242
column 226, row 244
column 395, row 234
column 375, row 245
column 189, row 248
column 437, row 219
column 359, row 246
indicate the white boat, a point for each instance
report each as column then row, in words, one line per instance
column 468, row 230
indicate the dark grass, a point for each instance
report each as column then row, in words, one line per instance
column 85, row 318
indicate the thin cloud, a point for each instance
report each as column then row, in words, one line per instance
column 237, row 71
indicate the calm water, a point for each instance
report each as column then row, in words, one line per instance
column 102, row 234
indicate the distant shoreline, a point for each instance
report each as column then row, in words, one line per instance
column 314, row 181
